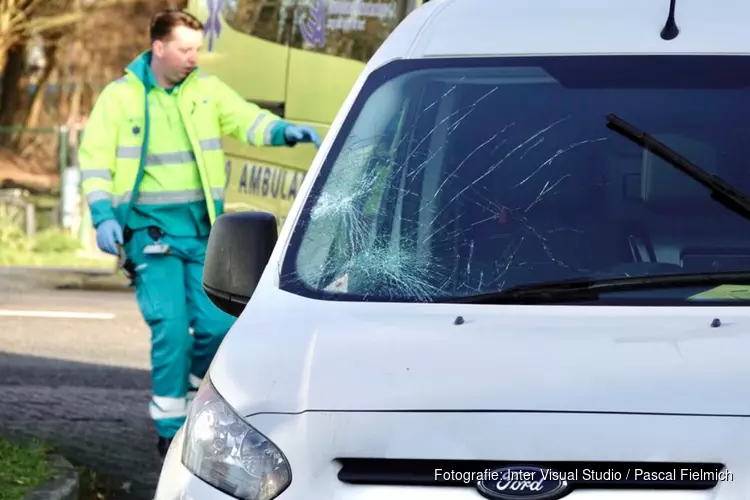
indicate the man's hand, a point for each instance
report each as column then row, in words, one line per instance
column 108, row 234
column 295, row 134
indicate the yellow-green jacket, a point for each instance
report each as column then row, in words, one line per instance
column 180, row 177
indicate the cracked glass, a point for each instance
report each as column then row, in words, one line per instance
column 458, row 177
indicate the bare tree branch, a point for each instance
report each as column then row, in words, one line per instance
column 45, row 23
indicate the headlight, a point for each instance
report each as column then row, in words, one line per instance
column 227, row 453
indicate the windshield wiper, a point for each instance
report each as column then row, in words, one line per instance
column 589, row 289
column 721, row 191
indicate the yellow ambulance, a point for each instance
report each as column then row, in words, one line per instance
column 297, row 58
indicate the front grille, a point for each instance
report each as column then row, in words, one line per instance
column 600, row 475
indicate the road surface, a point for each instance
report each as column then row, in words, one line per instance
column 74, row 372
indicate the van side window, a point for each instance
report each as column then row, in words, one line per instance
column 353, row 29
column 267, row 19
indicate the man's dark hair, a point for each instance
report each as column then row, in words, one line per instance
column 165, row 21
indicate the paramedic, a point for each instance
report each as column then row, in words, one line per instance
column 153, row 174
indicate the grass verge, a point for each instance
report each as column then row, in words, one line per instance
column 66, row 259
column 50, row 247
column 23, row 467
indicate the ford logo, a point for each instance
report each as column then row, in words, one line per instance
column 525, row 482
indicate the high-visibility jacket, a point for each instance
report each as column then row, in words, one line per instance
column 114, row 161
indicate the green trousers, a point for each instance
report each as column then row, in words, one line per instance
column 169, row 291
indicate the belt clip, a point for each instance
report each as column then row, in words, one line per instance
column 155, row 233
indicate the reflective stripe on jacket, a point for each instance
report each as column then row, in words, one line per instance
column 111, row 150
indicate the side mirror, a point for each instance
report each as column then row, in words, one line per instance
column 239, row 247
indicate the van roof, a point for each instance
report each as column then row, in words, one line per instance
column 464, row 28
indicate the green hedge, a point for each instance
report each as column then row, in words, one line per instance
column 17, row 248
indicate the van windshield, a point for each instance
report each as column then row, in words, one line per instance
column 458, row 177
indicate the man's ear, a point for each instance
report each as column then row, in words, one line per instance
column 158, row 48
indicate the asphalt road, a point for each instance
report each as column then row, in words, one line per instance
column 74, row 372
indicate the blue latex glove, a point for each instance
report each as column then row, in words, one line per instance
column 108, row 234
column 296, row 133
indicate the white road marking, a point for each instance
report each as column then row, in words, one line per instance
column 31, row 313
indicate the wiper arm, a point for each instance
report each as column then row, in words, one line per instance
column 590, row 289
column 721, row 191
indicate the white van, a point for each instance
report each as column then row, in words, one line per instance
column 518, row 269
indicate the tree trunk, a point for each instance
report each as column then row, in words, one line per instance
column 10, row 83
column 36, row 106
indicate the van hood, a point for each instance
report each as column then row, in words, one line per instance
column 291, row 354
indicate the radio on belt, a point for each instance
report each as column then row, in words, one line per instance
column 156, row 248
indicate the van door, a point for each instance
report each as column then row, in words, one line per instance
column 246, row 45
column 331, row 41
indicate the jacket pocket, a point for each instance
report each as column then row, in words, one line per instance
column 206, row 119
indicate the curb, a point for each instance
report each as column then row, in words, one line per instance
column 63, row 486
column 84, row 271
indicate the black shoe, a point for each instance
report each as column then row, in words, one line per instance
column 163, row 446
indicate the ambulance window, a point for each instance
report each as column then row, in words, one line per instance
column 353, row 29
column 267, row 19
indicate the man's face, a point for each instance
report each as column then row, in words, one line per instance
column 179, row 55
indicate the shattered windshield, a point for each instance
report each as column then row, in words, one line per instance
column 458, row 177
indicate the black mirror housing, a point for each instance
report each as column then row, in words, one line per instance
column 239, row 248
